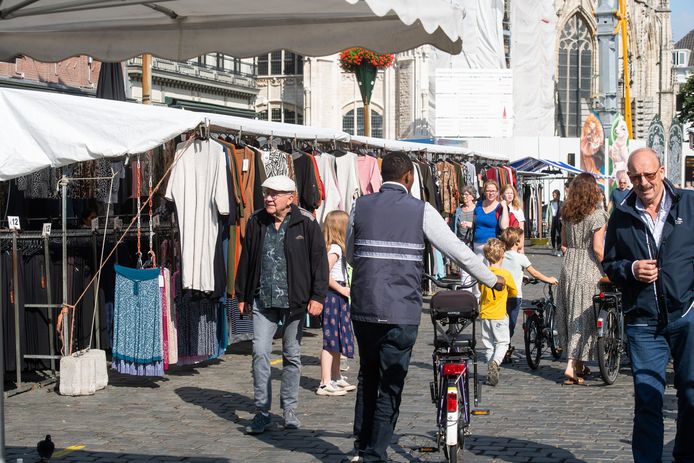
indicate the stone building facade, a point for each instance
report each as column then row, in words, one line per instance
column 404, row 95
column 650, row 50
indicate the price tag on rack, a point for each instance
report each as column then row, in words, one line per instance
column 46, row 230
column 13, row 221
column 245, row 165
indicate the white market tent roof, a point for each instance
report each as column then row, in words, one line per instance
column 43, row 129
column 408, row 146
column 115, row 30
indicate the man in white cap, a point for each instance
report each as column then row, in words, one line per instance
column 283, row 271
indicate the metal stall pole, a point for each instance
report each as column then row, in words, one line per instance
column 66, row 317
column 2, row 375
column 15, row 290
column 49, row 294
column 97, row 300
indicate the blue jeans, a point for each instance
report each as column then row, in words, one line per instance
column 265, row 322
column 513, row 305
column 650, row 348
column 384, row 358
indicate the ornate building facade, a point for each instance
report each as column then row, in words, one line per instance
column 650, row 65
column 315, row 91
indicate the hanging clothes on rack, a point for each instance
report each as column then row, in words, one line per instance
column 137, row 327
column 198, row 187
column 347, row 178
column 369, row 174
column 333, row 196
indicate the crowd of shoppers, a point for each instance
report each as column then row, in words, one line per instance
column 289, row 267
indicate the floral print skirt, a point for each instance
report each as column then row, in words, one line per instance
column 337, row 325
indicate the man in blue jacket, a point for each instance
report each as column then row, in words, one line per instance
column 649, row 255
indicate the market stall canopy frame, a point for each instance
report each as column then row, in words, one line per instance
column 111, row 31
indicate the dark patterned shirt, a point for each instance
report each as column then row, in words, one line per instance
column 274, row 289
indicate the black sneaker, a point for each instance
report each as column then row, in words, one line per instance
column 259, row 423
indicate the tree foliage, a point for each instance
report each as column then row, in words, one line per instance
column 686, row 96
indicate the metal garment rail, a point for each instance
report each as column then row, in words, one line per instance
column 63, row 237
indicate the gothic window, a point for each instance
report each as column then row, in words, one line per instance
column 348, row 123
column 574, row 80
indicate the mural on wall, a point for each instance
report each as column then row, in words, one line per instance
column 656, row 138
column 618, row 146
column 674, row 149
column 592, row 146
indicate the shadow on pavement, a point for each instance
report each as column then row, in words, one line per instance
column 29, row 455
column 516, row 450
column 225, row 405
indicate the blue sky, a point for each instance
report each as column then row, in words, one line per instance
column 682, row 18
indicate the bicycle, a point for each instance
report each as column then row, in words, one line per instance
column 451, row 312
column 609, row 322
column 539, row 328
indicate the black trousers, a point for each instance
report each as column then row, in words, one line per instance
column 384, row 357
column 555, row 232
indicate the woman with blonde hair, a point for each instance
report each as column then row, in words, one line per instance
column 338, row 338
column 582, row 235
column 509, row 198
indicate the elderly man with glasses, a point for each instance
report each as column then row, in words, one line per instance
column 283, row 271
column 620, row 193
column 649, row 255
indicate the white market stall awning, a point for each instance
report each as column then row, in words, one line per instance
column 43, row 129
column 407, row 146
column 115, row 30
column 277, row 129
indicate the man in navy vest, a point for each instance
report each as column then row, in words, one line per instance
column 385, row 243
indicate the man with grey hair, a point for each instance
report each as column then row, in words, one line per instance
column 649, row 255
column 619, row 193
column 283, row 272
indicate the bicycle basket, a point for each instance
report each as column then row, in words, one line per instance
column 454, row 304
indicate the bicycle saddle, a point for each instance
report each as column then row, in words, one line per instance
column 459, row 304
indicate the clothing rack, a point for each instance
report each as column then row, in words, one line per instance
column 64, row 237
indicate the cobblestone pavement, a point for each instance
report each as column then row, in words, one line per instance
column 197, row 414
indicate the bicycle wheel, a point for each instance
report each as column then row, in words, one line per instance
column 553, row 335
column 609, row 348
column 453, row 443
column 452, row 453
column 533, row 342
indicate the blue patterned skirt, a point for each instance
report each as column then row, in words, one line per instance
column 337, row 325
column 137, row 324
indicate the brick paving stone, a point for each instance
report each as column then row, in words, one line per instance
column 197, row 413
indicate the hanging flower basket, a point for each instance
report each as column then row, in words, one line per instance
column 353, row 58
column 364, row 64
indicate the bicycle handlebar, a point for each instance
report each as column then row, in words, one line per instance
column 454, row 286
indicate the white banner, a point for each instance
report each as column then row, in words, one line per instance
column 474, row 103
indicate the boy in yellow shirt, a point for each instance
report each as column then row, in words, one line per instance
column 495, row 323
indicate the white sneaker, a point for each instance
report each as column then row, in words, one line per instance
column 344, row 385
column 330, row 390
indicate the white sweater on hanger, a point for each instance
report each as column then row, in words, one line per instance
column 198, row 186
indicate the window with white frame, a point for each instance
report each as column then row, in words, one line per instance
column 278, row 63
column 354, row 125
